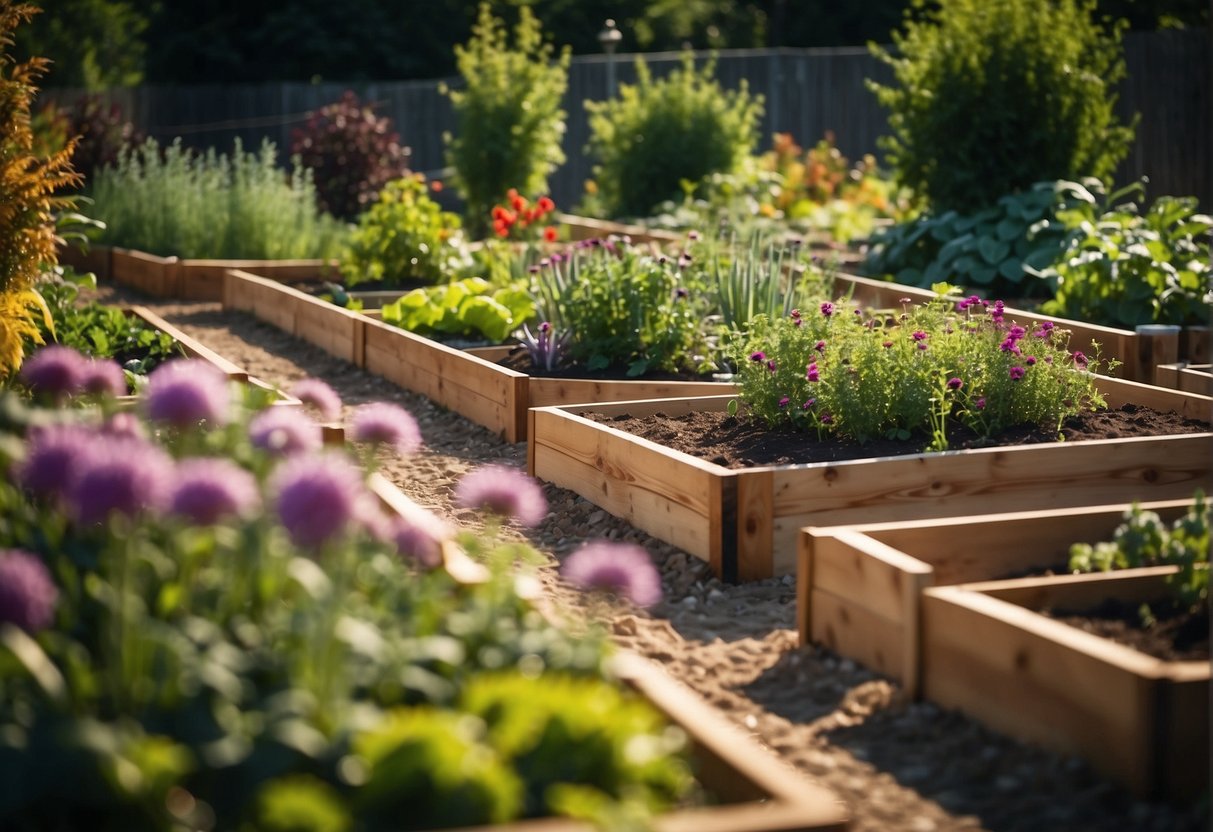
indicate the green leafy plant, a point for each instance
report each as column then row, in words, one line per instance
column 999, row 250
column 762, row 277
column 509, row 125
column 352, row 153
column 1144, row 540
column 172, row 201
column 469, row 308
column 856, row 375
column 658, row 134
column 624, row 309
column 1128, row 266
column 405, row 236
column 989, row 97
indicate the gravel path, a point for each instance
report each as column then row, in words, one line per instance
column 898, row 765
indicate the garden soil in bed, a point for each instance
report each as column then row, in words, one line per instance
column 900, row 766
column 737, row 442
column 1175, row 635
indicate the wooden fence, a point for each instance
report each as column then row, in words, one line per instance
column 807, row 92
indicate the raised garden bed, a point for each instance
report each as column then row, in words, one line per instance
column 1191, row 378
column 859, row 588
column 745, row 522
column 1138, row 720
column 192, row 347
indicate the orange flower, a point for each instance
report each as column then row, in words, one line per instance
column 546, row 205
column 501, row 229
column 436, row 186
column 518, row 203
column 549, row 234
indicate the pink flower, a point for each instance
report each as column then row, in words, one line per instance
column 1016, row 373
column 771, row 364
column 811, row 372
column 955, row 383
column 27, row 593
column 384, row 423
column 503, row 491
column 317, row 394
column 918, row 335
column 103, row 377
column 783, row 402
column 186, row 391
column 208, row 490
column 54, row 458
column 54, row 372
column 827, row 308
column 317, row 497
column 285, row 431
column 758, row 357
column 123, row 476
column 820, row 346
column 623, row 569
column 980, row 404
column 1080, row 359
column 417, row 543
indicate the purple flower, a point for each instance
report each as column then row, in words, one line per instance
column 125, row 476
column 794, row 314
column 827, row 308
column 783, row 402
column 1017, row 373
column 811, row 372
column 54, row 372
column 503, row 491
column 103, row 377
column 1080, row 359
column 124, row 425
column 1046, row 329
column 955, row 383
column 315, row 393
column 385, row 423
column 887, row 344
column 1030, row 360
column 1009, row 345
column 285, row 431
column 820, row 346
column 758, row 356
column 997, row 312
column 1016, row 332
column 771, row 365
column 918, row 335
column 808, row 403
column 621, row 568
column 27, row 593
column 980, row 404
column 208, row 490
column 692, row 235
column 417, row 543
column 317, row 497
column 922, row 345
column 184, row 392
column 827, row 419
column 682, row 293
column 54, row 458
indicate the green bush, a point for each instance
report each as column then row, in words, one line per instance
column 404, row 236
column 509, row 124
column 657, row 135
column 172, row 201
column 990, row 96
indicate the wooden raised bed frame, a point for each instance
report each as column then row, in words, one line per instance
column 859, row 588
column 1191, row 378
column 1138, row 720
column 745, row 522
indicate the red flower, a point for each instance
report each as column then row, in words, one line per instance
column 549, row 234
column 436, row 186
column 501, row 228
column 498, row 214
column 546, row 205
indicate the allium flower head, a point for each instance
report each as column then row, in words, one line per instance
column 125, row 476
column 285, row 431
column 317, row 497
column 55, row 371
column 417, row 543
column 315, row 393
column 503, row 491
column 621, row 568
column 208, row 490
column 27, row 593
column 103, row 377
column 184, row 392
column 385, row 423
column 124, row 425
column 54, row 458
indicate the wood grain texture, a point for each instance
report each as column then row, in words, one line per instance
column 1189, row 378
column 147, row 273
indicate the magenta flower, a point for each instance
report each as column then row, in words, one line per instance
column 783, row 402
column 207, row 490
column 827, row 419
column 771, row 364
column 1080, row 359
column 385, row 423
column 54, row 372
column 620, row 568
column 955, row 383
column 317, row 497
column 827, row 308
column 54, row 458
column 1046, row 329
column 1017, row 373
column 315, row 393
column 758, row 357
column 125, row 476
column 811, row 372
column 980, row 404
column 124, row 425
column 103, row 377
column 1030, row 360
column 808, row 403
column 27, row 593
column 887, row 344
column 918, row 335
column 820, row 346
column 285, row 431
column 794, row 314
column 922, row 345
column 186, row 391
column 503, row 491
column 417, row 543
column 1009, row 345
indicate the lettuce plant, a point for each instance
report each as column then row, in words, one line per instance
column 471, row 307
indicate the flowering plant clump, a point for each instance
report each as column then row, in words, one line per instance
column 859, row 375
column 204, row 630
column 517, row 218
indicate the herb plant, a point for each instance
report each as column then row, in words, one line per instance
column 405, row 236
column 172, row 201
column 468, row 308
column 861, row 375
column 761, row 277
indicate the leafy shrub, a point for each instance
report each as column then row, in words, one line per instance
column 27, row 186
column 990, row 96
column 998, row 250
column 861, row 376
column 404, row 236
column 171, row 201
column 469, row 308
column 509, row 124
column 352, row 153
column 1124, row 267
column 658, row 134
column 104, row 133
column 624, row 308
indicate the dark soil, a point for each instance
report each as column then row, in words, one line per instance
column 737, row 442
column 1176, row 634
column 519, row 360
